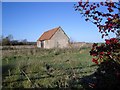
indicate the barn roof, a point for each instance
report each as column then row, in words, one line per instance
column 48, row 34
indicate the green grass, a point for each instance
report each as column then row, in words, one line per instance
column 64, row 65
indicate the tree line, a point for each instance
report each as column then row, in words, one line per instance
column 8, row 40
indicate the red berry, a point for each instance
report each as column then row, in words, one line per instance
column 83, row 6
column 108, row 53
column 101, row 53
column 108, row 19
column 94, row 7
column 110, row 25
column 100, row 56
column 112, row 4
column 114, row 40
column 80, row 3
column 94, row 54
column 116, row 16
column 107, row 41
column 96, row 19
column 95, row 60
column 87, row 12
column 110, row 10
column 91, row 8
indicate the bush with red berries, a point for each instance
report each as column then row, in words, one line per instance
column 105, row 15
column 106, row 21
column 106, row 51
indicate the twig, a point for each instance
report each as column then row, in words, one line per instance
column 29, row 79
column 26, row 76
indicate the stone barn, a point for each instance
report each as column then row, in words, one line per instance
column 54, row 38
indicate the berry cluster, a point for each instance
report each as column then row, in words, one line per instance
column 106, row 51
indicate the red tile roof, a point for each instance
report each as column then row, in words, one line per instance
column 48, row 34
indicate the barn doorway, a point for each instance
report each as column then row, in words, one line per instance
column 42, row 44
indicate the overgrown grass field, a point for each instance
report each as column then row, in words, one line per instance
column 45, row 68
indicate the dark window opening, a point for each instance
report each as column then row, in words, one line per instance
column 42, row 44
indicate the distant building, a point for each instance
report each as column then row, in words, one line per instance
column 55, row 38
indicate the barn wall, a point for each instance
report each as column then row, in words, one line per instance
column 47, row 44
column 39, row 44
column 59, row 40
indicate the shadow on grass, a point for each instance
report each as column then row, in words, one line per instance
column 5, row 68
column 106, row 77
column 5, row 71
